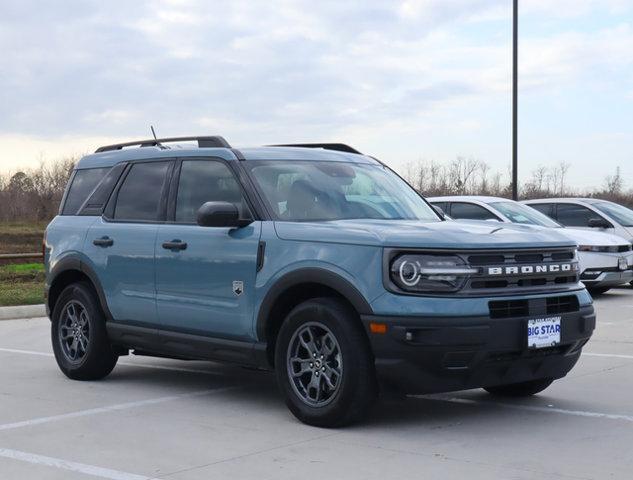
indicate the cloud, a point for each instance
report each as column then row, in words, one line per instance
column 293, row 70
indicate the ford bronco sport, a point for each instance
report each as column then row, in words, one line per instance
column 313, row 260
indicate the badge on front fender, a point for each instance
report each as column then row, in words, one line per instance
column 238, row 287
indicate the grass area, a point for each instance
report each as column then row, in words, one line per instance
column 21, row 284
column 21, row 237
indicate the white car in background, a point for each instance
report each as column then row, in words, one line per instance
column 605, row 260
column 588, row 213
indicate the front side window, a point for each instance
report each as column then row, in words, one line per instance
column 572, row 215
column 204, row 181
column 315, row 191
column 623, row 215
column 83, row 184
column 470, row 211
column 140, row 194
column 519, row 213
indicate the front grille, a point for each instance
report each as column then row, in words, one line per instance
column 525, row 270
column 533, row 307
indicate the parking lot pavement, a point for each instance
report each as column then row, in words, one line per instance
column 157, row 418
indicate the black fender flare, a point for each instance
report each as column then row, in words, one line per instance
column 74, row 263
column 309, row 275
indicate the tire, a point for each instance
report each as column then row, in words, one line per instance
column 525, row 389
column 598, row 290
column 92, row 357
column 337, row 388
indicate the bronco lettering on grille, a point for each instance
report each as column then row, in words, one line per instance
column 532, row 269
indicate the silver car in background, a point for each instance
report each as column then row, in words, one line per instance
column 605, row 260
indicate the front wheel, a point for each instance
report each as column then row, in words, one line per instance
column 78, row 332
column 524, row 389
column 324, row 364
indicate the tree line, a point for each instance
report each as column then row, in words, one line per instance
column 34, row 194
column 470, row 176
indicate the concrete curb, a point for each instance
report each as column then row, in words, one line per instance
column 22, row 311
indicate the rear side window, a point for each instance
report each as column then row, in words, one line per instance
column 546, row 208
column 139, row 197
column 469, row 211
column 83, row 183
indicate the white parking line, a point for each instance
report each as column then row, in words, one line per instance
column 607, row 355
column 110, row 408
column 127, row 364
column 71, row 466
column 528, row 408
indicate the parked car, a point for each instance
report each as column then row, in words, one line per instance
column 315, row 261
column 605, row 260
column 588, row 213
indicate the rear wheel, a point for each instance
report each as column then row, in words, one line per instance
column 324, row 365
column 524, row 389
column 80, row 341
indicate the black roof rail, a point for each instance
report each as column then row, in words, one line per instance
column 339, row 147
column 203, row 142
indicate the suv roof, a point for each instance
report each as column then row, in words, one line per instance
column 216, row 146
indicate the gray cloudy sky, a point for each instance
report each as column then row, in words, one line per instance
column 402, row 80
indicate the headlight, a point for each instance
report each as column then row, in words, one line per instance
column 600, row 249
column 429, row 273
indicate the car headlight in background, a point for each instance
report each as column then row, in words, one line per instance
column 419, row 273
column 604, row 249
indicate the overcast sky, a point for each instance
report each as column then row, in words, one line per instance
column 401, row 80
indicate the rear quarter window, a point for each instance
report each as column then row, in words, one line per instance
column 82, row 184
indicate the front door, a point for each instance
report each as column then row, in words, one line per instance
column 205, row 276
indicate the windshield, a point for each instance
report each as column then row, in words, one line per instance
column 519, row 213
column 622, row 215
column 310, row 191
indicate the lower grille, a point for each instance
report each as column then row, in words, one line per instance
column 509, row 308
column 565, row 304
column 533, row 307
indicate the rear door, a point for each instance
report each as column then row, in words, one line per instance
column 121, row 243
column 205, row 276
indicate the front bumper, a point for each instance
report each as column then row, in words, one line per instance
column 609, row 278
column 432, row 355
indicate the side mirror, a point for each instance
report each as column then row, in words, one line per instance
column 598, row 222
column 439, row 211
column 220, row 214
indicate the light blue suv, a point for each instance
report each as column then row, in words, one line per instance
column 313, row 260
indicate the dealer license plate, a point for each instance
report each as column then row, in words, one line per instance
column 543, row 332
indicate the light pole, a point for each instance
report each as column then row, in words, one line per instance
column 515, row 52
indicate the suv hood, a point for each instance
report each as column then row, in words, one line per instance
column 594, row 239
column 417, row 234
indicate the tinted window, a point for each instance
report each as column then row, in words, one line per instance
column 101, row 194
column 83, row 184
column 572, row 215
column 204, row 181
column 544, row 208
column 140, row 195
column 469, row 211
